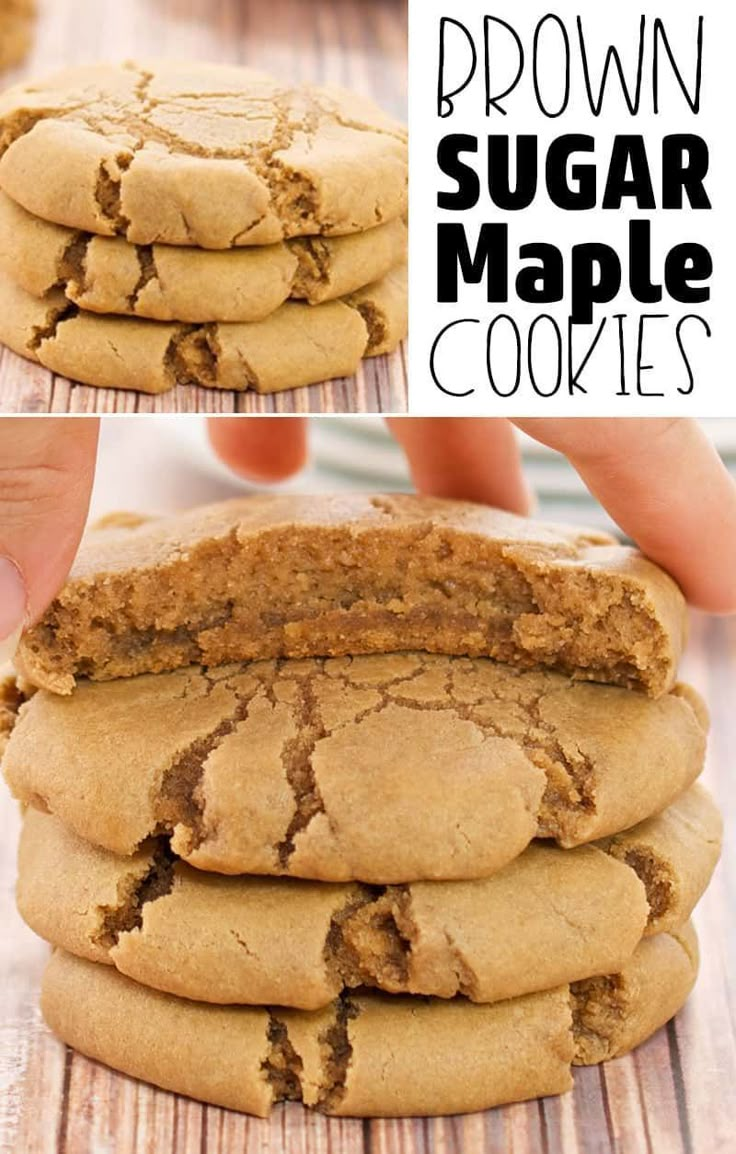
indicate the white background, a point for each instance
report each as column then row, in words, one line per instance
column 461, row 363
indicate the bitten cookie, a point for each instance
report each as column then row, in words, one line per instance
column 274, row 768
column 369, row 1055
column 199, row 154
column 551, row 916
column 297, row 345
column 296, row 576
column 167, row 283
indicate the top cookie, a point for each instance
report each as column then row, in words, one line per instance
column 299, row 576
column 198, row 154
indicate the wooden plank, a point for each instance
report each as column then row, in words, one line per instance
column 358, row 43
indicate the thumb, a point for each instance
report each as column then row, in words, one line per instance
column 46, row 472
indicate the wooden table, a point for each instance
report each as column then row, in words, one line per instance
column 676, row 1095
column 358, row 43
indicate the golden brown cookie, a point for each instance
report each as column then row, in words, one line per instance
column 199, row 154
column 369, row 1054
column 296, row 576
column 275, row 767
column 297, row 345
column 168, row 283
column 551, row 916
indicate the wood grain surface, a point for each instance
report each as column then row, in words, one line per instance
column 358, row 43
column 675, row 1095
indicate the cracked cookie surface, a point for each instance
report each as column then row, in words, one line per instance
column 549, row 917
column 298, row 344
column 168, row 283
column 368, row 1054
column 296, row 576
column 274, row 767
column 198, row 154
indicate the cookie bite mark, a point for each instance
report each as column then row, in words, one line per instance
column 440, row 587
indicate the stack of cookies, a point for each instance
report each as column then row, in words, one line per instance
column 16, row 22
column 180, row 223
column 387, row 805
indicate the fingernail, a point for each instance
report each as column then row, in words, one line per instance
column 13, row 608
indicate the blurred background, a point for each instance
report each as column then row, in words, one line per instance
column 174, row 466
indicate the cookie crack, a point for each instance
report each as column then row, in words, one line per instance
column 336, row 1052
column 297, row 761
column 282, row 1067
column 193, row 356
column 71, row 265
column 11, row 700
column 243, row 944
column 375, row 321
column 313, row 268
column 56, row 317
column 148, row 272
column 180, row 805
column 465, row 979
column 369, row 942
column 108, row 191
column 127, row 913
column 655, row 874
column 599, row 1009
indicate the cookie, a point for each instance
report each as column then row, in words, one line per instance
column 307, row 743
column 369, row 1055
column 166, row 283
column 297, row 345
column 274, row 767
column 199, row 154
column 16, row 23
column 294, row 576
column 551, row 916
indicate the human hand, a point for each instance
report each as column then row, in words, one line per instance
column 45, row 484
column 662, row 481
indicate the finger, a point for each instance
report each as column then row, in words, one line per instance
column 260, row 448
column 46, row 473
column 663, row 482
column 464, row 458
